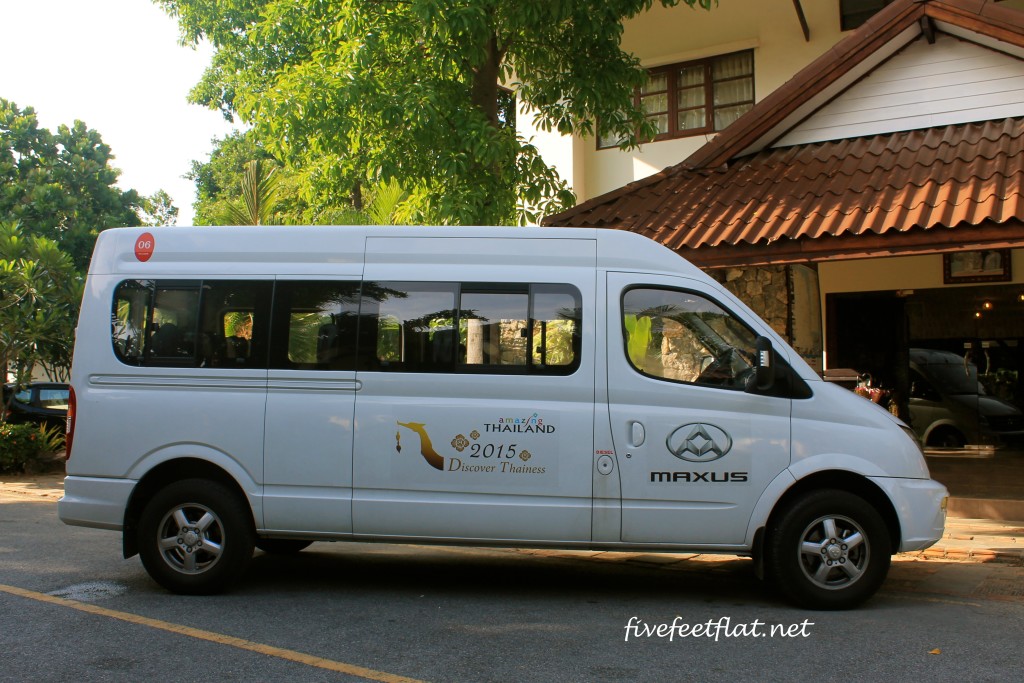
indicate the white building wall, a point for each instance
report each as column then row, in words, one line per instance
column 678, row 34
column 924, row 85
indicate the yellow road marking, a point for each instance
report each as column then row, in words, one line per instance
column 241, row 644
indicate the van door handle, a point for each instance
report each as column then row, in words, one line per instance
column 636, row 434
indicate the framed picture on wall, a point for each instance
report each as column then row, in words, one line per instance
column 986, row 265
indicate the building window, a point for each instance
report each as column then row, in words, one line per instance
column 853, row 13
column 696, row 97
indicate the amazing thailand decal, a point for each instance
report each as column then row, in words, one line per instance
column 505, row 446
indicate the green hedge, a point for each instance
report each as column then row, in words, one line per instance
column 27, row 447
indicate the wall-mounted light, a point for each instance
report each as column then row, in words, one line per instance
column 987, row 306
column 977, row 315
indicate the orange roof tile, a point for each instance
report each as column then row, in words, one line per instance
column 919, row 179
column 755, row 204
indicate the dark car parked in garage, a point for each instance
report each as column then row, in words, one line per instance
column 950, row 408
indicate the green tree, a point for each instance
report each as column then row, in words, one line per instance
column 158, row 210
column 354, row 91
column 60, row 186
column 219, row 179
column 40, row 292
column 258, row 205
column 387, row 204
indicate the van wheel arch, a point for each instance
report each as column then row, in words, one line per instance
column 842, row 481
column 158, row 478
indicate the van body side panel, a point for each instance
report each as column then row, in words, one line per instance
column 607, row 479
column 310, row 402
column 308, row 470
column 129, row 415
column 94, row 502
column 694, row 459
column 461, row 455
column 840, row 430
column 919, row 506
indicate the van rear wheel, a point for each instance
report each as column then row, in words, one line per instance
column 828, row 549
column 195, row 536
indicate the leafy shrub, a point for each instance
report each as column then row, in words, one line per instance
column 27, row 447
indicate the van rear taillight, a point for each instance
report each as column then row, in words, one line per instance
column 69, row 432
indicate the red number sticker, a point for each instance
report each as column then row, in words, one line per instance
column 144, row 246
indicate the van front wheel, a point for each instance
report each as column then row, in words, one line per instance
column 828, row 550
column 195, row 536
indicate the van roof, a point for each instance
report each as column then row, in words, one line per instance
column 305, row 250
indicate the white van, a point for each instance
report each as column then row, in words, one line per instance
column 587, row 389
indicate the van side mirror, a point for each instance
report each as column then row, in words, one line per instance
column 764, row 369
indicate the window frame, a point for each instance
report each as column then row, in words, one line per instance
column 257, row 356
column 454, row 365
column 671, row 92
column 273, row 310
column 686, row 292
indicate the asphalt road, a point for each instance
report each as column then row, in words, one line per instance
column 72, row 610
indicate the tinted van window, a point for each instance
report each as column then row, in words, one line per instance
column 315, row 325
column 471, row 327
column 684, row 337
column 347, row 325
column 191, row 323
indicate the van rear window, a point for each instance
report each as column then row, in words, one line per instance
column 191, row 323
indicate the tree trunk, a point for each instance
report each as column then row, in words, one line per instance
column 485, row 82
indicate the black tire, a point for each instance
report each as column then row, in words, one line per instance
column 946, row 437
column 282, row 546
column 196, row 536
column 828, row 549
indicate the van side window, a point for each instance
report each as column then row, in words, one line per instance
column 493, row 326
column 347, row 325
column 234, row 324
column 471, row 327
column 319, row 322
column 189, row 323
column 555, row 328
column 415, row 324
column 683, row 337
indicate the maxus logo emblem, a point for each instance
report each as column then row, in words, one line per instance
column 698, row 442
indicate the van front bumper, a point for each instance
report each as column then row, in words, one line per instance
column 921, row 508
column 95, row 502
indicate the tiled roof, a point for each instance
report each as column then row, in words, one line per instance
column 921, row 179
column 758, row 204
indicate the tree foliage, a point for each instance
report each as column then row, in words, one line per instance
column 158, row 210
column 219, row 182
column 387, row 204
column 60, row 185
column 354, row 91
column 259, row 191
column 40, row 292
